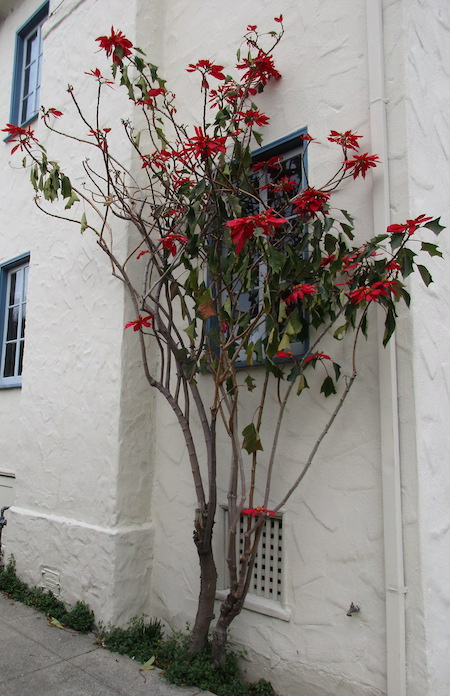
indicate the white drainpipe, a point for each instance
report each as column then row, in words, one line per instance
column 390, row 446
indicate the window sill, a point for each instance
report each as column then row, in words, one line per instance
column 11, row 385
column 260, row 605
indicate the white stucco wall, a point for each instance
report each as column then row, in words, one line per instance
column 104, row 493
column 418, row 91
column 63, row 433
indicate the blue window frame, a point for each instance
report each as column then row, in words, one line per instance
column 13, row 302
column 292, row 155
column 25, row 102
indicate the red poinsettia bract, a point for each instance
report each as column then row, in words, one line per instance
column 286, row 354
column 372, row 293
column 347, row 140
column 140, row 323
column 98, row 76
column 256, row 512
column 21, row 136
column 310, row 202
column 116, row 45
column 203, row 146
column 260, row 69
column 316, row 356
column 409, row 226
column 299, row 292
column 242, row 229
column 205, row 67
column 360, row 164
column 168, row 242
column 272, row 165
column 253, row 117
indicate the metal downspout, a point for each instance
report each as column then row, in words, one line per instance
column 389, row 427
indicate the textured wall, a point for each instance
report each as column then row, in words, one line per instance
column 63, row 433
column 104, row 494
column 419, row 101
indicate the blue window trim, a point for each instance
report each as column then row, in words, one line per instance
column 5, row 268
column 17, row 85
column 282, row 146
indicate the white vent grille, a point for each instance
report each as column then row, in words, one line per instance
column 267, row 578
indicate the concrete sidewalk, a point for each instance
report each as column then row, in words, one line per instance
column 39, row 660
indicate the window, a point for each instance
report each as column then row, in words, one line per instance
column 13, row 298
column 25, row 101
column 282, row 160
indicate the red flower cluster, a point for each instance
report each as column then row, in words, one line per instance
column 203, row 146
column 283, row 185
column 284, row 354
column 53, row 112
column 100, row 136
column 148, row 100
column 328, row 259
column 410, row 226
column 260, row 70
column 372, row 293
column 21, row 136
column 205, row 67
column 273, row 165
column 98, row 76
column 299, row 292
column 360, row 164
column 140, row 322
column 256, row 512
column 117, row 44
column 254, row 117
column 242, row 229
column 310, row 202
column 347, row 140
column 168, row 242
column 316, row 356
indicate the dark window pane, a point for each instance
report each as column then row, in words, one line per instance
column 22, row 328
column 13, row 318
column 32, row 47
column 22, row 344
column 10, row 355
column 13, row 299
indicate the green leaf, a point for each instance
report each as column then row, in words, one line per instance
column 148, row 665
column 250, row 382
column 340, row 332
column 328, row 387
column 389, row 325
column 426, row 276
column 435, row 226
column 57, row 624
column 73, row 199
column 66, row 186
column 302, row 384
column 251, row 441
column 258, row 137
column 84, row 223
column 191, row 331
column 337, row 370
column 396, row 241
column 276, row 259
column 431, row 249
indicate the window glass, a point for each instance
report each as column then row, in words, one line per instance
column 28, row 64
column 13, row 287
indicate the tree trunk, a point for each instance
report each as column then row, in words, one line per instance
column 205, row 608
column 230, row 608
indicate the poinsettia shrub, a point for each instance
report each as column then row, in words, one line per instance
column 234, row 263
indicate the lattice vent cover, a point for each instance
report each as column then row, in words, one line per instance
column 268, row 569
